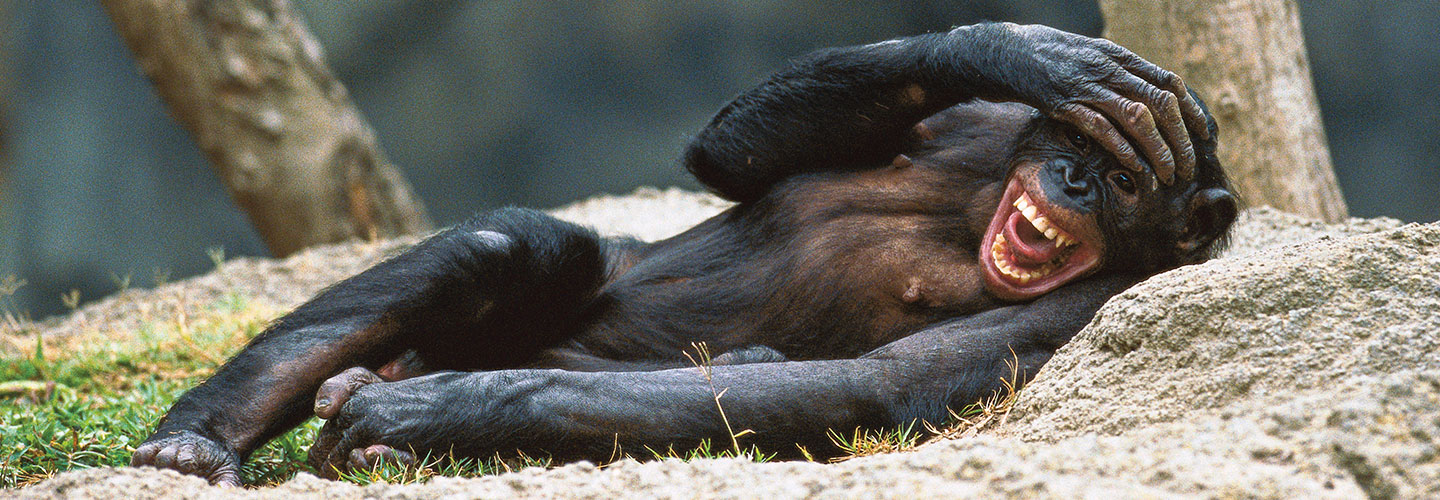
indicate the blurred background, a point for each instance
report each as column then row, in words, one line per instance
column 540, row 103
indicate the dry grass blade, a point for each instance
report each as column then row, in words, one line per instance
column 867, row 442
column 706, row 370
column 967, row 422
column 992, row 412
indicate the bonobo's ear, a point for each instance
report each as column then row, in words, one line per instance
column 1207, row 219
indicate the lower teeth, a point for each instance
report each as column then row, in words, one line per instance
column 998, row 253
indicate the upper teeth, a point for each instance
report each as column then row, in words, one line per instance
column 1041, row 223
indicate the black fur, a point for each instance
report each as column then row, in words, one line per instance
column 841, row 292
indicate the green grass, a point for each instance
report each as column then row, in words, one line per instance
column 88, row 400
column 706, row 450
column 447, row 465
column 72, row 430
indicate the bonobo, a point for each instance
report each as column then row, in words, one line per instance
column 913, row 217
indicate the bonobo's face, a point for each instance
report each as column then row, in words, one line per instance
column 1069, row 210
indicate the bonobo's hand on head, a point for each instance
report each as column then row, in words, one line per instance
column 1088, row 83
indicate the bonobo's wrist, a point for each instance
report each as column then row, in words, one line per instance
column 182, row 419
column 974, row 57
column 460, row 399
column 492, row 395
column 480, row 412
column 166, row 431
column 196, row 430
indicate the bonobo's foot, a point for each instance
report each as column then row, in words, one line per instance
column 190, row 453
column 348, row 439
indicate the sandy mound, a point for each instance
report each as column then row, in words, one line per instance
column 1301, row 364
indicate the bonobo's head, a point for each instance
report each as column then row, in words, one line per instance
column 1070, row 210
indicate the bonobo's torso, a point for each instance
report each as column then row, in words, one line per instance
column 893, row 247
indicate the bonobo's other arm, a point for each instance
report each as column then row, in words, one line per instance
column 853, row 107
column 572, row 415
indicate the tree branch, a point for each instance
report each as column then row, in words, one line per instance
column 249, row 82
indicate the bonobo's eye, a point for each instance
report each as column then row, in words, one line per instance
column 1123, row 181
column 1079, row 141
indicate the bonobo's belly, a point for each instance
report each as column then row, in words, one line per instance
column 835, row 306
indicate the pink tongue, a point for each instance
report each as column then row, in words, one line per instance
column 1031, row 248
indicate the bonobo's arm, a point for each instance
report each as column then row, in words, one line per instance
column 573, row 415
column 854, row 107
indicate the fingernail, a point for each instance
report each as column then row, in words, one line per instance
column 321, row 404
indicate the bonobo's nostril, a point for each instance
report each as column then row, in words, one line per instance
column 1075, row 182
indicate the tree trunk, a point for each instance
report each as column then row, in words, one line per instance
column 1247, row 58
column 247, row 79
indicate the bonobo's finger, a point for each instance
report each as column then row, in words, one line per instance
column 165, row 459
column 337, row 390
column 185, row 457
column 228, row 478
column 145, row 454
column 339, row 458
column 1165, row 108
column 325, row 444
column 330, row 453
column 376, row 454
column 358, row 459
column 1172, row 124
column 1097, row 127
column 1138, row 123
column 1190, row 110
column 1189, row 107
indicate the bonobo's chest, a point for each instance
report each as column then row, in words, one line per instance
column 831, row 266
column 881, row 254
column 867, row 292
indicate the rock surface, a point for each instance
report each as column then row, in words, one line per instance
column 1300, row 364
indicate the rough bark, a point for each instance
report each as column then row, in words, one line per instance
column 1247, row 58
column 247, row 79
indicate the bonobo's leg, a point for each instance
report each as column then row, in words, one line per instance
column 574, row 415
column 489, row 293
column 855, row 107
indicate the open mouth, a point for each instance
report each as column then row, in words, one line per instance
column 1030, row 249
column 1026, row 252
